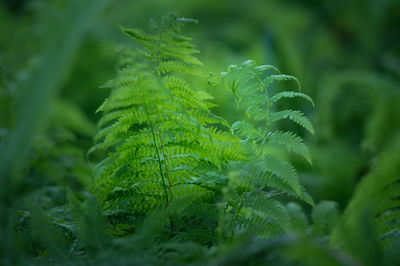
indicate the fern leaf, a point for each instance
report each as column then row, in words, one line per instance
column 291, row 142
column 290, row 94
column 138, row 34
column 269, row 208
column 280, row 169
column 296, row 116
column 245, row 129
column 173, row 65
column 281, row 77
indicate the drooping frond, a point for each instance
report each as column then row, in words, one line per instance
column 291, row 94
column 268, row 80
column 267, row 172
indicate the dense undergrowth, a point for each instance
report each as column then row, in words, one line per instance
column 193, row 167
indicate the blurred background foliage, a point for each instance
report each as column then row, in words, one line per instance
column 55, row 55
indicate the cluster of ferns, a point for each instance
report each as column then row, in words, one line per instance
column 168, row 151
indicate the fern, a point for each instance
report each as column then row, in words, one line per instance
column 267, row 173
column 166, row 144
column 164, row 140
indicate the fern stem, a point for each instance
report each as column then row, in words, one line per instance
column 165, row 163
column 160, row 164
column 154, row 62
column 154, row 59
column 167, row 174
column 276, row 194
column 237, row 215
column 166, row 171
column 241, row 205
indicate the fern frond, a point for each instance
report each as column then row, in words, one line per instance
column 296, row 116
column 173, row 65
column 269, row 208
column 281, row 77
column 282, row 170
column 138, row 34
column 291, row 94
column 291, row 142
column 245, row 129
column 164, row 139
column 264, row 170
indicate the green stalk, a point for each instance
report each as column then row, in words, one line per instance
column 160, row 165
